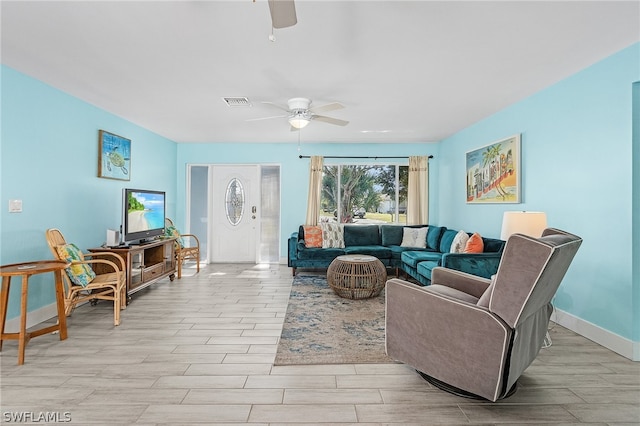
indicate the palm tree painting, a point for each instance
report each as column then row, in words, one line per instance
column 493, row 172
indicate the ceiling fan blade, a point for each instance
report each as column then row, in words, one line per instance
column 266, row 118
column 284, row 108
column 330, row 120
column 326, row 108
column 283, row 13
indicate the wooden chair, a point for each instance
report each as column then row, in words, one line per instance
column 108, row 284
column 187, row 246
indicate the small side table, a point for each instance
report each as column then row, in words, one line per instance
column 26, row 270
column 356, row 276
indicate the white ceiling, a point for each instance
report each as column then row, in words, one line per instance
column 415, row 71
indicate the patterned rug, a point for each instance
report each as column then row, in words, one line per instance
column 321, row 327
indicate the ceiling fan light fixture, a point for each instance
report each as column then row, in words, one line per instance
column 298, row 122
column 299, row 119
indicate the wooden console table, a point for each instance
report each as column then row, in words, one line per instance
column 145, row 263
column 26, row 270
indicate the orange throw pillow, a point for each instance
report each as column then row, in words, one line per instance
column 312, row 236
column 474, row 245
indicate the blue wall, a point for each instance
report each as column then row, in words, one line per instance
column 49, row 160
column 294, row 171
column 577, row 167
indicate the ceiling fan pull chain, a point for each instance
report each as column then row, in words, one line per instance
column 272, row 37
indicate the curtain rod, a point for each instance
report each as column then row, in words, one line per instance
column 341, row 156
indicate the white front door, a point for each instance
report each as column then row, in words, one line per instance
column 236, row 216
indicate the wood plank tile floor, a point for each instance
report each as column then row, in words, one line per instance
column 200, row 350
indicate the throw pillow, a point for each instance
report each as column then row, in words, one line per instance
column 459, row 242
column 414, row 237
column 474, row 245
column 79, row 273
column 172, row 232
column 332, row 235
column 312, row 236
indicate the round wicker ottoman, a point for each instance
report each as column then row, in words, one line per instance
column 356, row 276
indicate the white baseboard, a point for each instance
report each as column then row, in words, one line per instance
column 609, row 340
column 34, row 317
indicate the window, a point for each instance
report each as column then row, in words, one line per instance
column 234, row 198
column 364, row 193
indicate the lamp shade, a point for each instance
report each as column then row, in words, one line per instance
column 527, row 223
column 298, row 121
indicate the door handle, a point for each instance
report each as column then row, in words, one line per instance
column 254, row 209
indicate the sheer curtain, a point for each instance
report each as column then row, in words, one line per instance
column 315, row 189
column 418, row 191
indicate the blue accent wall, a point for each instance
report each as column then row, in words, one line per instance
column 577, row 167
column 294, row 171
column 49, row 160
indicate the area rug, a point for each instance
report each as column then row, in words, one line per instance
column 321, row 327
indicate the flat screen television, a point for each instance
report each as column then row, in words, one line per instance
column 143, row 215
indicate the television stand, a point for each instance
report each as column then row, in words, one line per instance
column 145, row 263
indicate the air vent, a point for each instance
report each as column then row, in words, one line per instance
column 237, row 102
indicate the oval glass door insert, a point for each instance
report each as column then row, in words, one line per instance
column 234, row 199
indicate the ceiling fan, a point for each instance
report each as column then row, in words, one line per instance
column 299, row 113
column 283, row 13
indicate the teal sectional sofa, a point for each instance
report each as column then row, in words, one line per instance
column 419, row 264
column 384, row 242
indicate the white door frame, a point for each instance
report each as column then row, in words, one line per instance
column 205, row 198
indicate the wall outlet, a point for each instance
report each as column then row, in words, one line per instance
column 15, row 206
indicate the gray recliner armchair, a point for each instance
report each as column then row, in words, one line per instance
column 474, row 336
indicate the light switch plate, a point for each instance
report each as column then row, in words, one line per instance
column 15, row 206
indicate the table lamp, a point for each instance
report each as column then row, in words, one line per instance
column 522, row 222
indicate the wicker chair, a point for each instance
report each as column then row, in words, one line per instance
column 108, row 284
column 187, row 247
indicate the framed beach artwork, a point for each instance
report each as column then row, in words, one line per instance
column 493, row 172
column 114, row 156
